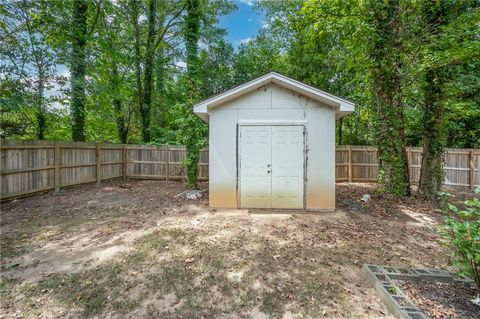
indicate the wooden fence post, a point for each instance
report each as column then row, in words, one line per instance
column 350, row 164
column 57, row 166
column 97, row 161
column 124, row 162
column 167, row 168
column 409, row 160
column 472, row 170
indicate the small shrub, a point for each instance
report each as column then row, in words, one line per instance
column 443, row 199
column 462, row 233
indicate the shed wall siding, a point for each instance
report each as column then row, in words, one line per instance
column 223, row 158
column 272, row 103
column 321, row 159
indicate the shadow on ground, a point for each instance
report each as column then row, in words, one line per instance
column 136, row 249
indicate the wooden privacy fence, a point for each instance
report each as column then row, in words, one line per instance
column 32, row 166
column 359, row 164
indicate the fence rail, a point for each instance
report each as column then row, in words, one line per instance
column 33, row 166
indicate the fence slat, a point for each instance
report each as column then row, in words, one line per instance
column 97, row 162
column 57, row 167
column 167, row 169
column 124, row 165
column 471, row 176
column 350, row 164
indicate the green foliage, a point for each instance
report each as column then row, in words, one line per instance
column 438, row 55
column 15, row 114
column 385, row 54
column 191, row 128
column 193, row 134
column 462, row 233
column 443, row 199
column 376, row 53
column 78, row 68
column 27, row 66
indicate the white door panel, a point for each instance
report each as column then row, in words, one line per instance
column 255, row 148
column 271, row 166
column 287, row 166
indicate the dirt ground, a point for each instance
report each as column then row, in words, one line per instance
column 440, row 300
column 130, row 249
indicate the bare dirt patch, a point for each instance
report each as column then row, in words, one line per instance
column 82, row 227
column 133, row 249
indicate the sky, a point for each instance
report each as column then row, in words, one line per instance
column 243, row 24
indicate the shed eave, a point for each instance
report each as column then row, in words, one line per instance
column 341, row 106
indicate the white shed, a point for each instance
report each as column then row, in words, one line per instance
column 272, row 144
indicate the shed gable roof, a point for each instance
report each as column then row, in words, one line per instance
column 342, row 106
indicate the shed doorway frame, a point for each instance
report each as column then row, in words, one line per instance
column 272, row 123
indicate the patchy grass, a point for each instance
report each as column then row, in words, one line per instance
column 115, row 252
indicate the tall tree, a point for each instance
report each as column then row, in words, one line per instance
column 122, row 113
column 26, row 55
column 145, row 110
column 385, row 52
column 322, row 43
column 192, row 35
column 162, row 20
column 442, row 59
column 192, row 128
column 78, row 68
column 431, row 175
column 135, row 6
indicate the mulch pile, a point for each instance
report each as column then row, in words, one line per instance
column 442, row 300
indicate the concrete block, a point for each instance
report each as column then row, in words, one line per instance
column 392, row 296
column 390, row 270
column 374, row 274
column 460, row 278
column 380, row 277
column 434, row 275
column 416, row 315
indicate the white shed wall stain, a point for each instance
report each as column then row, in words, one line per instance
column 269, row 103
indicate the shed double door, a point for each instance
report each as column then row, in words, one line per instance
column 271, row 166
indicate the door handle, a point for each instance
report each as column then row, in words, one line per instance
column 268, row 171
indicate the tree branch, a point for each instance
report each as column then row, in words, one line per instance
column 97, row 13
column 169, row 24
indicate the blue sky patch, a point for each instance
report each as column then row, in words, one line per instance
column 243, row 24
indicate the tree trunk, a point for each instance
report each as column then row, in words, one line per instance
column 138, row 70
column 145, row 111
column 39, row 59
column 161, row 112
column 78, row 69
column 434, row 136
column 120, row 120
column 192, row 142
column 431, row 174
column 192, row 35
column 117, row 106
column 40, row 114
column 385, row 54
